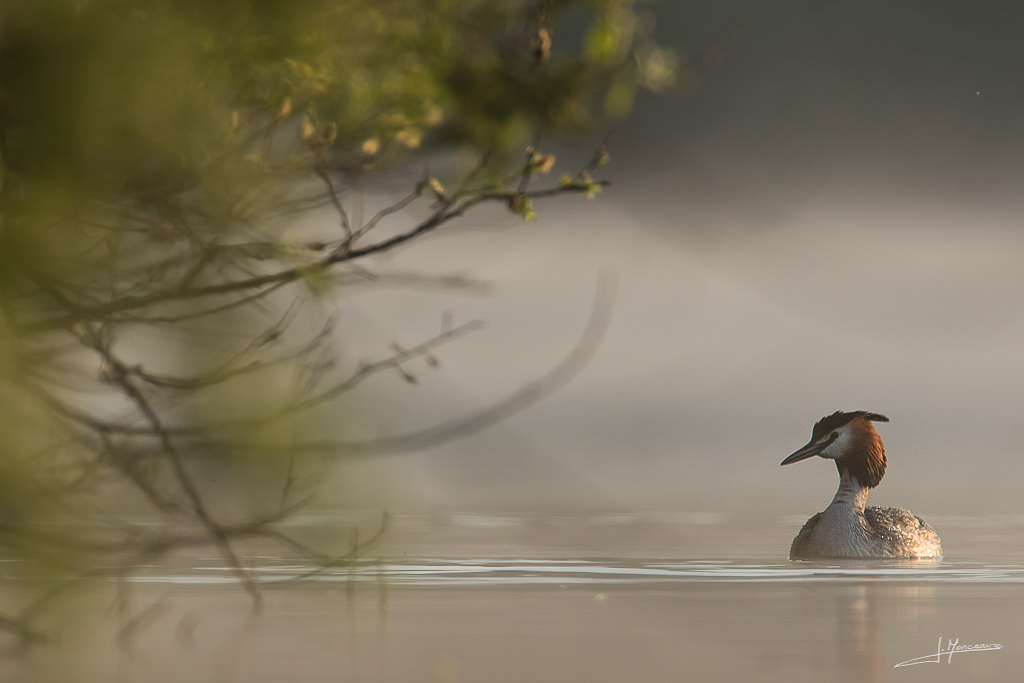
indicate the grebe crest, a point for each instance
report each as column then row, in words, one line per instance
column 847, row 528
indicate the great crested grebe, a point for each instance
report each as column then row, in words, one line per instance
column 846, row 528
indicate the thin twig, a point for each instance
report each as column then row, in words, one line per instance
column 551, row 382
column 346, row 225
column 438, row 217
column 120, row 376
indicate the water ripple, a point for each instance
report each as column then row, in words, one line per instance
column 441, row 573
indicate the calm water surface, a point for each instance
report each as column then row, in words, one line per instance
column 632, row 597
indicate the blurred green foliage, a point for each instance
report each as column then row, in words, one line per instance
column 115, row 99
column 153, row 151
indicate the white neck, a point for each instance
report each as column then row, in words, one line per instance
column 851, row 492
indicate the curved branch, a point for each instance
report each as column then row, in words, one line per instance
column 558, row 377
column 440, row 216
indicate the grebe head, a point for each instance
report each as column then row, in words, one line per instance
column 850, row 440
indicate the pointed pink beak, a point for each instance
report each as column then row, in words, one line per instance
column 810, row 450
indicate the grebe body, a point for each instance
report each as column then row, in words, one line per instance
column 846, row 528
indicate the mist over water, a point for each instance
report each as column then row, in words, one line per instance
column 829, row 219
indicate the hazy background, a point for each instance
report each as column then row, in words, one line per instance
column 829, row 219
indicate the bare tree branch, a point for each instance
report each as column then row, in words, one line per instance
column 440, row 216
column 533, row 392
column 120, row 376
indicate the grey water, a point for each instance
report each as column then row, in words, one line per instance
column 657, row 596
